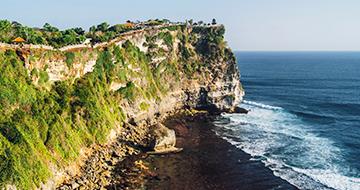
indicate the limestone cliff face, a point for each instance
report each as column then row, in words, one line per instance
column 221, row 90
column 213, row 82
column 86, row 95
column 207, row 72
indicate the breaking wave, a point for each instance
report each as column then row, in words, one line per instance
column 289, row 147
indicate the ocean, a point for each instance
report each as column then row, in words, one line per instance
column 304, row 119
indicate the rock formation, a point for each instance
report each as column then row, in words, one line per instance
column 73, row 101
column 164, row 140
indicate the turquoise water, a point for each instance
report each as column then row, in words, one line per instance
column 304, row 122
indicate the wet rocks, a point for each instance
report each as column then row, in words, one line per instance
column 99, row 169
column 240, row 110
column 132, row 173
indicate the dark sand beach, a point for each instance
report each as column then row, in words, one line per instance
column 207, row 162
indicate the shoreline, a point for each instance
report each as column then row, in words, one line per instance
column 207, row 162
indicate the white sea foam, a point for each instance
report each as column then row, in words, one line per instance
column 288, row 147
column 261, row 105
column 332, row 178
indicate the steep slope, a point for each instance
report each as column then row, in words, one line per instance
column 56, row 103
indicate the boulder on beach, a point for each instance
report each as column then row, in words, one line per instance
column 164, row 140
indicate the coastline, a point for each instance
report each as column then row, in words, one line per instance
column 207, row 162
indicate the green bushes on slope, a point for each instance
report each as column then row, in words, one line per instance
column 39, row 127
column 212, row 40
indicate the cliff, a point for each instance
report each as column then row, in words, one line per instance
column 58, row 103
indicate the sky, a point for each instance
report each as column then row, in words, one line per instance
column 251, row 25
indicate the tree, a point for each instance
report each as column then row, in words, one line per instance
column 16, row 24
column 191, row 22
column 166, row 21
column 79, row 30
column 118, row 28
column 49, row 28
column 33, row 36
column 102, row 27
column 92, row 29
column 5, row 30
column 213, row 21
column 4, row 24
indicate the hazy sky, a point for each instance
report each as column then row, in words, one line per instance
column 251, row 24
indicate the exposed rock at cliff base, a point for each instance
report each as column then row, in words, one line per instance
column 164, row 140
column 240, row 110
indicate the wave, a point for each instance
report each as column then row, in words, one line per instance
column 261, row 105
column 288, row 146
column 331, row 178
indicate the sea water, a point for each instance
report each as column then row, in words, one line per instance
column 304, row 119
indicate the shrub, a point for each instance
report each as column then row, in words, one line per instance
column 167, row 37
column 70, row 57
column 128, row 92
column 44, row 77
column 144, row 106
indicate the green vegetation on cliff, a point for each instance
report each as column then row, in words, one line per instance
column 45, row 123
column 50, row 35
